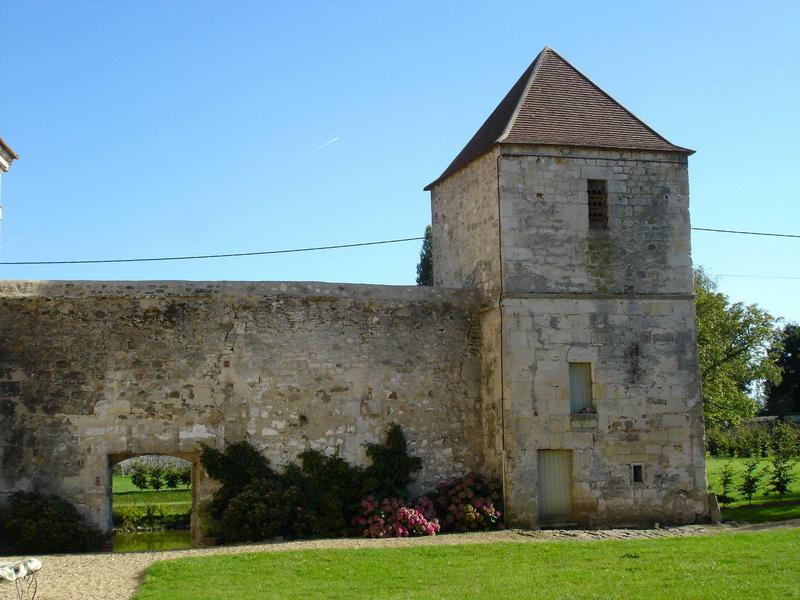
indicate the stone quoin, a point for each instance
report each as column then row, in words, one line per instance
column 556, row 351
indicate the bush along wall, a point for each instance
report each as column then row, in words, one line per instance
column 324, row 496
column 38, row 523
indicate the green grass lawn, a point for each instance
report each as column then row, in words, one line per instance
column 757, row 564
column 171, row 501
column 767, row 507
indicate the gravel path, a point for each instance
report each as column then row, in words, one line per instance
column 116, row 576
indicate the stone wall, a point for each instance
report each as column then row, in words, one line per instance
column 647, row 407
column 556, row 291
column 90, row 371
column 619, row 298
column 466, row 254
column 477, row 376
column 465, row 228
column 548, row 245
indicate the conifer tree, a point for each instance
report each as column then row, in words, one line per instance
column 751, row 480
column 425, row 265
column 726, row 480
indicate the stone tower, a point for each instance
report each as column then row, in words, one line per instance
column 570, row 216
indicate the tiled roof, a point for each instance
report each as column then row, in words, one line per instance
column 7, row 156
column 555, row 104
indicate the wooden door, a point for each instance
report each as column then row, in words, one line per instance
column 555, row 486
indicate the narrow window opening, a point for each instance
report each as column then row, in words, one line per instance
column 580, row 388
column 598, row 203
column 638, row 473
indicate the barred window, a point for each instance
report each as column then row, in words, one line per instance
column 598, row 203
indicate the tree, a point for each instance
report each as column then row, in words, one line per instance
column 425, row 265
column 155, row 478
column 737, row 346
column 139, row 476
column 726, row 481
column 751, row 480
column 784, row 398
column 785, row 439
column 172, row 477
column 780, row 474
column 185, row 475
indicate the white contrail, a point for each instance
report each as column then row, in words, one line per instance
column 11, row 241
column 328, row 143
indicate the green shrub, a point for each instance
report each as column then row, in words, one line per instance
column 751, row 480
column 785, row 439
column 47, row 523
column 726, row 481
column 149, row 518
column 780, row 474
column 155, row 478
column 152, row 516
column 751, row 439
column 139, row 476
column 324, row 491
column 313, row 499
column 178, row 520
column 185, row 475
column 260, row 511
column 126, row 519
column 172, row 478
column 717, row 442
column 235, row 468
column 392, row 469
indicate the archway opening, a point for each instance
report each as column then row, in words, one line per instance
column 152, row 499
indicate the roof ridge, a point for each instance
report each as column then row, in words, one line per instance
column 607, row 95
column 537, row 62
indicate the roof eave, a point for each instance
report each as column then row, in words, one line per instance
column 7, row 156
column 673, row 149
column 447, row 175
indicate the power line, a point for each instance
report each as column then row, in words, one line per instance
column 752, row 276
column 204, row 256
column 334, row 247
column 787, row 235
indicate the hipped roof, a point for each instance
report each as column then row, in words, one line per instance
column 554, row 104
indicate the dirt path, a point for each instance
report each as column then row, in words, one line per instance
column 116, row 576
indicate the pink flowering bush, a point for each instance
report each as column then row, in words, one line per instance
column 471, row 503
column 425, row 506
column 393, row 518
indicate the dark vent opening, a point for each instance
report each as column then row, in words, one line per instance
column 598, row 203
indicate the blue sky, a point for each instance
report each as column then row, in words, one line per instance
column 155, row 128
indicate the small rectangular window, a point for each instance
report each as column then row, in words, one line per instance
column 580, row 388
column 638, row 473
column 598, row 203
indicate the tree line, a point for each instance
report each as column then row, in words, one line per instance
column 783, row 449
column 146, row 477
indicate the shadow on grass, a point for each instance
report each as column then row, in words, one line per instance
column 763, row 512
